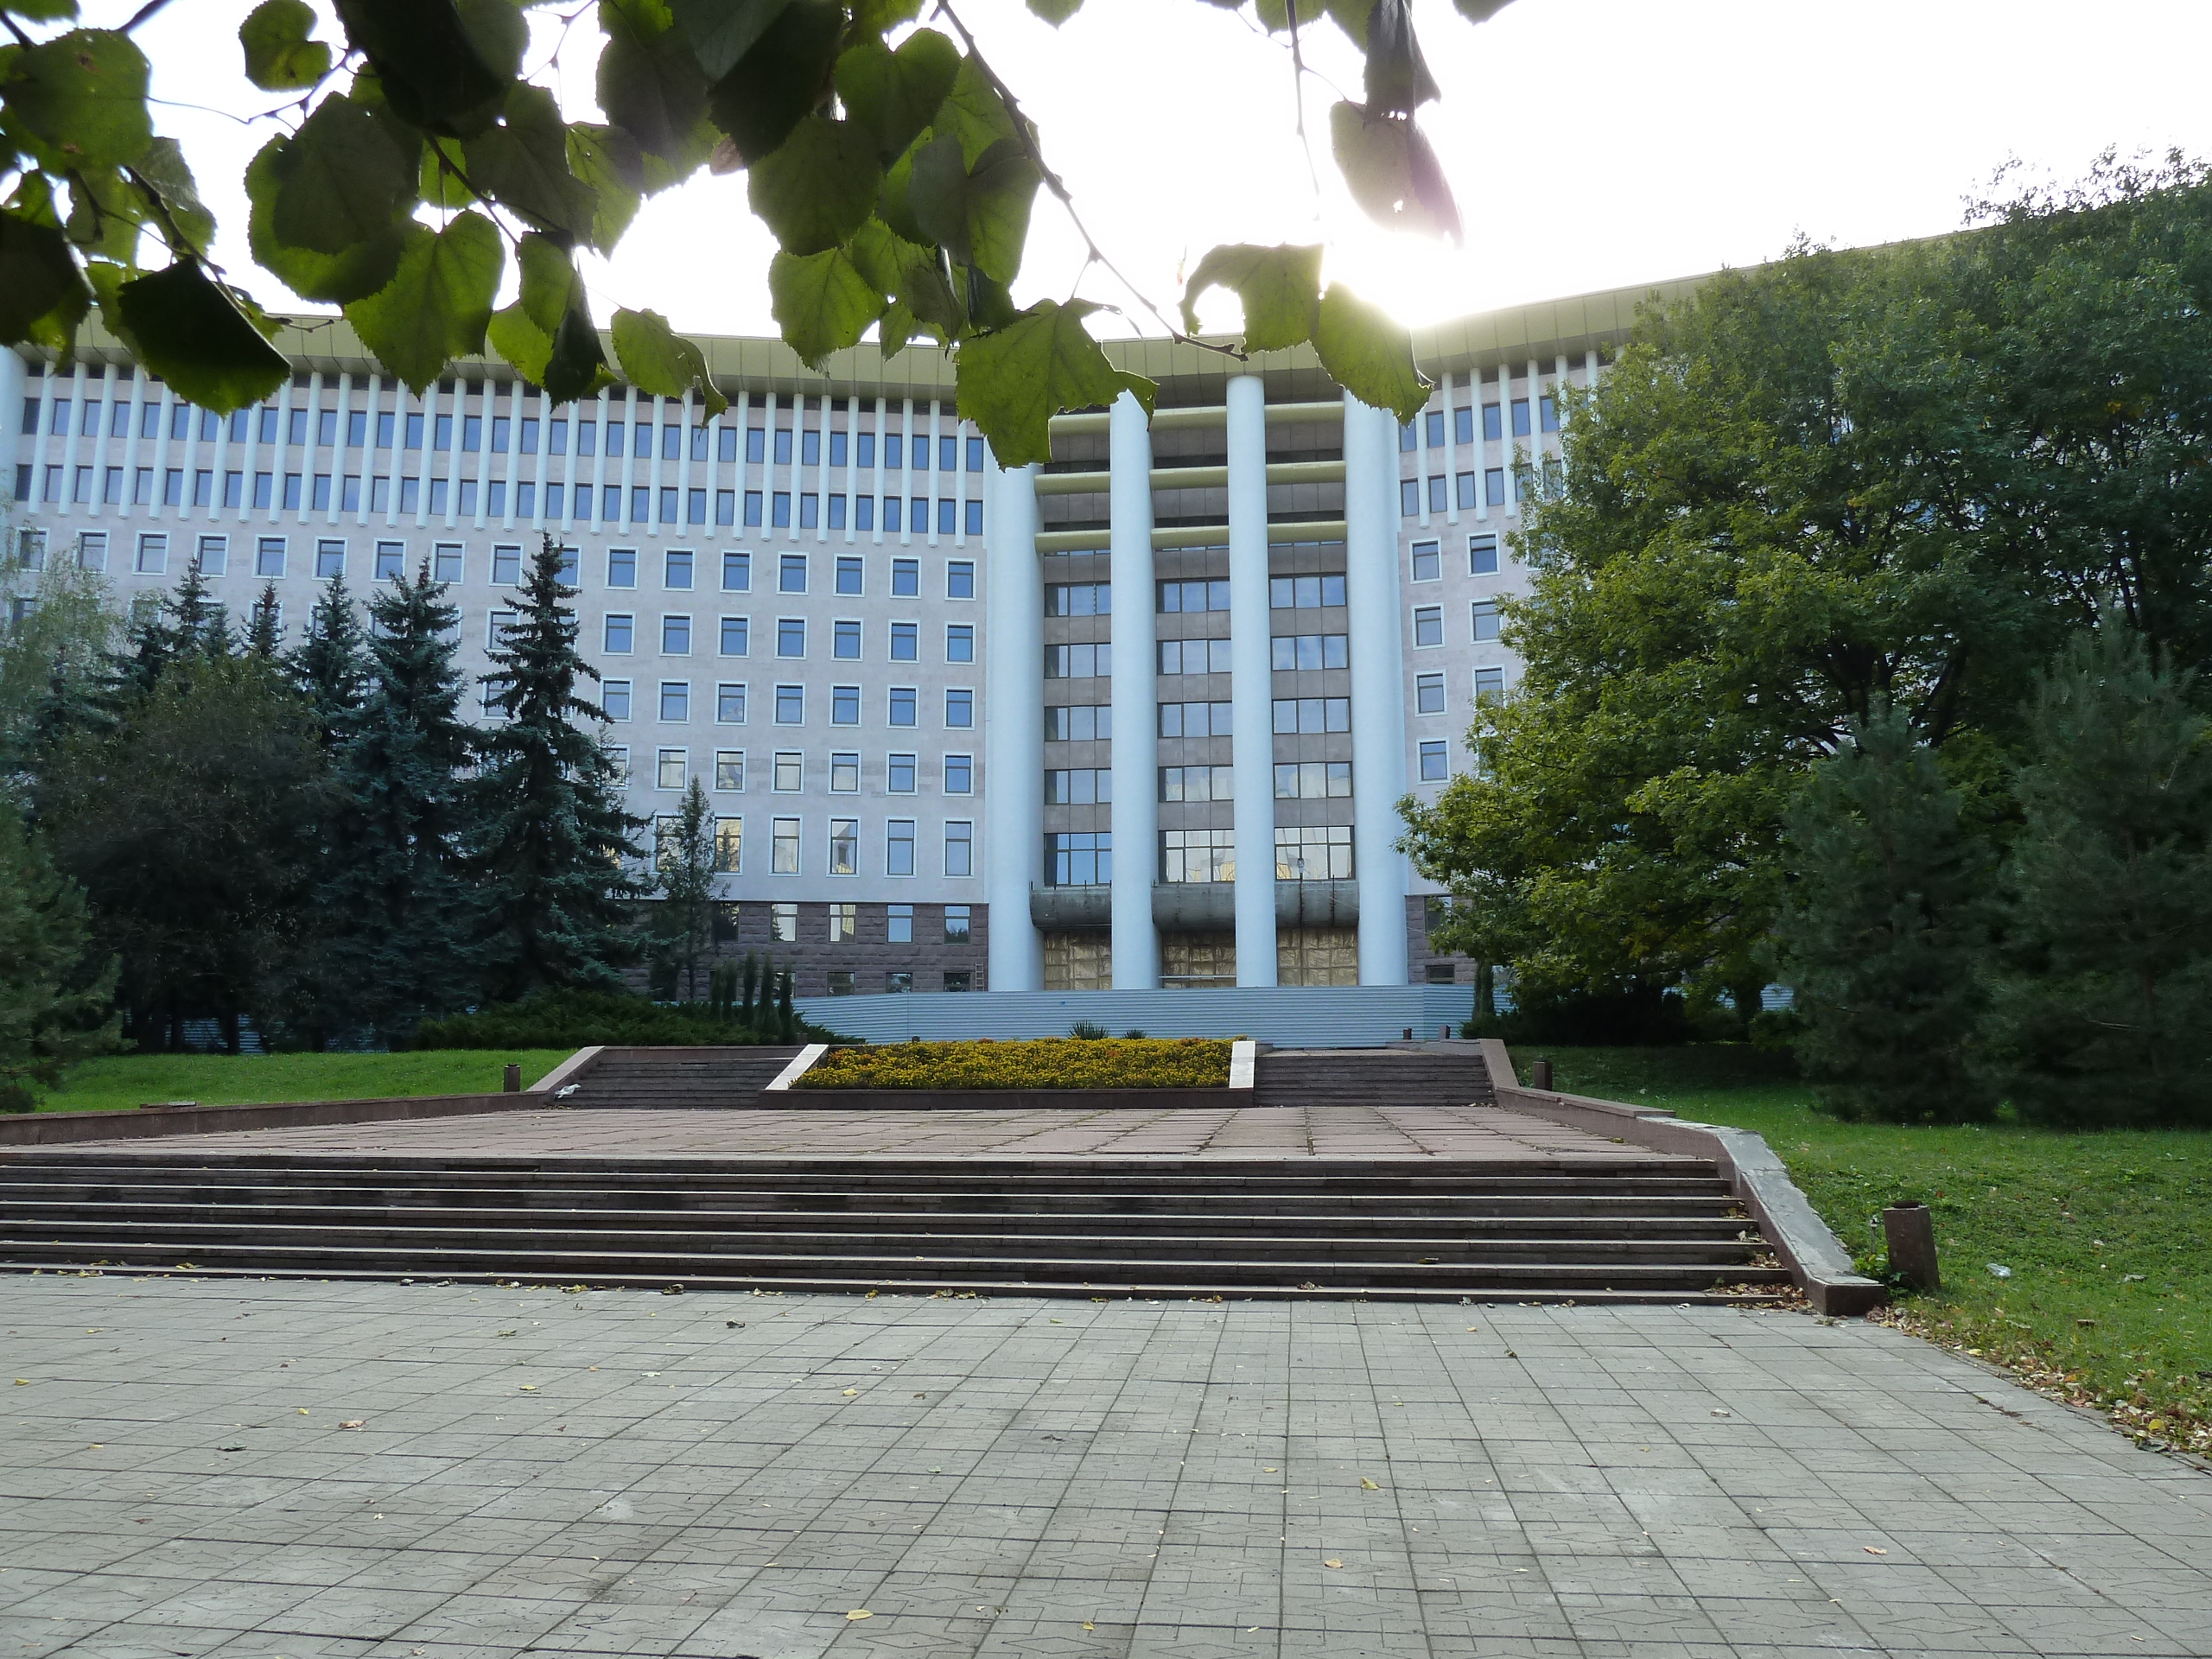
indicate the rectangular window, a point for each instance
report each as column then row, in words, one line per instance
column 322, row 496
column 756, row 446
column 1484, row 618
column 892, row 512
column 1182, row 784
column 959, row 774
column 1190, row 657
column 668, row 768
column 1084, row 598
column 863, row 512
column 972, row 520
column 906, row 642
column 783, row 918
column 729, row 839
column 214, row 554
column 1308, row 652
column 1076, row 662
column 502, row 432
column 1409, row 497
column 902, row 705
column 1436, row 494
column 845, row 640
column 1493, row 426
column 850, row 569
column 790, row 636
column 789, row 772
column 790, row 574
column 269, row 557
column 844, row 705
column 1433, row 424
column 725, row 506
column 620, row 634
column 1428, row 561
column 153, row 554
column 1188, row 855
column 1176, row 597
column 959, row 709
column 737, row 573
column 959, row 642
column 329, row 559
column 956, row 930
column 845, row 851
column 838, row 444
column 810, row 509
column 1304, row 592
column 752, row 508
column 1408, row 438
column 899, row 860
column 899, row 772
column 1080, row 722
column 1463, row 425
column 783, row 861
column 262, row 486
column 810, row 449
column 1489, row 684
column 91, row 550
column 844, row 774
column 729, row 703
column 1546, row 413
column 729, row 771
column 506, row 566
column 1464, row 489
column 790, row 705
column 1312, row 780
column 674, row 700
column 614, row 697
column 676, row 636
column 1306, row 715
column 1428, row 693
column 736, row 636
column 960, row 579
column 1520, row 417
column 1085, row 859
column 1435, row 766
column 1494, row 486
column 622, row 567
column 1428, row 625
column 905, row 577
column 1482, row 556
column 1313, row 853
column 894, row 445
column 618, row 757
column 959, row 859
column 1078, row 786
column 836, row 512
column 675, row 570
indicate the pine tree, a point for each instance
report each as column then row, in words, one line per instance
column 2103, row 1007
column 264, row 628
column 547, row 799
column 331, row 666
column 1881, row 935
column 185, row 624
column 53, row 993
column 400, row 910
column 684, row 871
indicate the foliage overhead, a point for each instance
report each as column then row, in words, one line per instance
column 421, row 156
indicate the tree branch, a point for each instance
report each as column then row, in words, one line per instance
column 143, row 13
column 1025, row 132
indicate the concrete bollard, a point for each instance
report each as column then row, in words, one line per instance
column 1909, row 1228
column 1540, row 1075
column 513, row 1082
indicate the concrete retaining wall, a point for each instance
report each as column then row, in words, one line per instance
column 1289, row 1016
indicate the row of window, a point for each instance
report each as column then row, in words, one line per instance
column 1303, row 853
column 734, row 636
column 787, row 772
column 1286, row 652
column 1444, row 493
column 674, row 704
column 957, row 923
column 1290, row 716
column 1294, row 780
column 1482, row 623
column 1482, row 558
column 469, row 498
column 842, row 847
column 1428, row 432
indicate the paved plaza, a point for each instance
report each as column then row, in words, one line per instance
column 1476, row 1134
column 307, row 1469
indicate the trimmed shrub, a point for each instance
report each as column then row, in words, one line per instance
column 577, row 1018
column 1046, row 1062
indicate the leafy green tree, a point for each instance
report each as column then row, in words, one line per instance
column 683, row 921
column 400, row 915
column 1894, row 478
column 2103, row 1001
column 546, row 807
column 54, row 994
column 54, row 663
column 1882, row 933
column 895, row 167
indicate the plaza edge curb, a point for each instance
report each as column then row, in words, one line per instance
column 1816, row 1258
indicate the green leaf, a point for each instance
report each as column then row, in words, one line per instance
column 280, row 55
column 1398, row 80
column 896, row 329
column 333, row 279
column 163, row 171
column 821, row 302
column 783, row 80
column 608, row 161
column 37, row 277
column 1480, row 11
column 522, row 163
column 104, row 214
column 974, row 113
column 1351, row 15
column 524, row 332
column 879, row 17
column 816, row 188
column 443, row 67
column 894, row 95
column 659, row 360
column 1055, row 12
column 907, row 269
column 1368, row 354
column 191, row 332
column 42, row 11
column 1274, row 16
column 893, row 203
column 1393, row 174
column 650, row 85
column 1014, row 381
column 1280, row 288
column 439, row 187
column 722, row 31
column 346, row 181
column 981, row 216
column 81, row 98
column 438, row 302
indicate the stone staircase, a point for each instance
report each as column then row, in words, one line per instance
column 1638, row 1230
column 1404, row 1074
column 678, row 1078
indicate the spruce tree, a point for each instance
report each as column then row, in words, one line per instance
column 683, row 881
column 1881, row 935
column 400, row 910
column 264, row 628
column 552, row 833
column 2102, row 1002
column 331, row 668
column 55, row 990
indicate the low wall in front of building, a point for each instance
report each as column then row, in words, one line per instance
column 1288, row 1016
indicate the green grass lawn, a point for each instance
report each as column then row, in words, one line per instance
column 125, row 1082
column 2108, row 1235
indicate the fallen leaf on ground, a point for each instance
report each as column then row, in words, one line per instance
column 1871, row 1550
column 860, row 1612
column 1088, row 1626
column 1367, row 1485
column 1332, row 1563
column 849, row 1393
column 354, row 1422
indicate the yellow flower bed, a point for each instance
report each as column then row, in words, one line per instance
column 1046, row 1062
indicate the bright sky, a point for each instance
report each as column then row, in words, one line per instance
column 1592, row 143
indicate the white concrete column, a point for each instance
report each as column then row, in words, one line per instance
column 1251, row 682
column 1135, row 661
column 1014, row 726
column 1378, row 739
column 13, row 384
